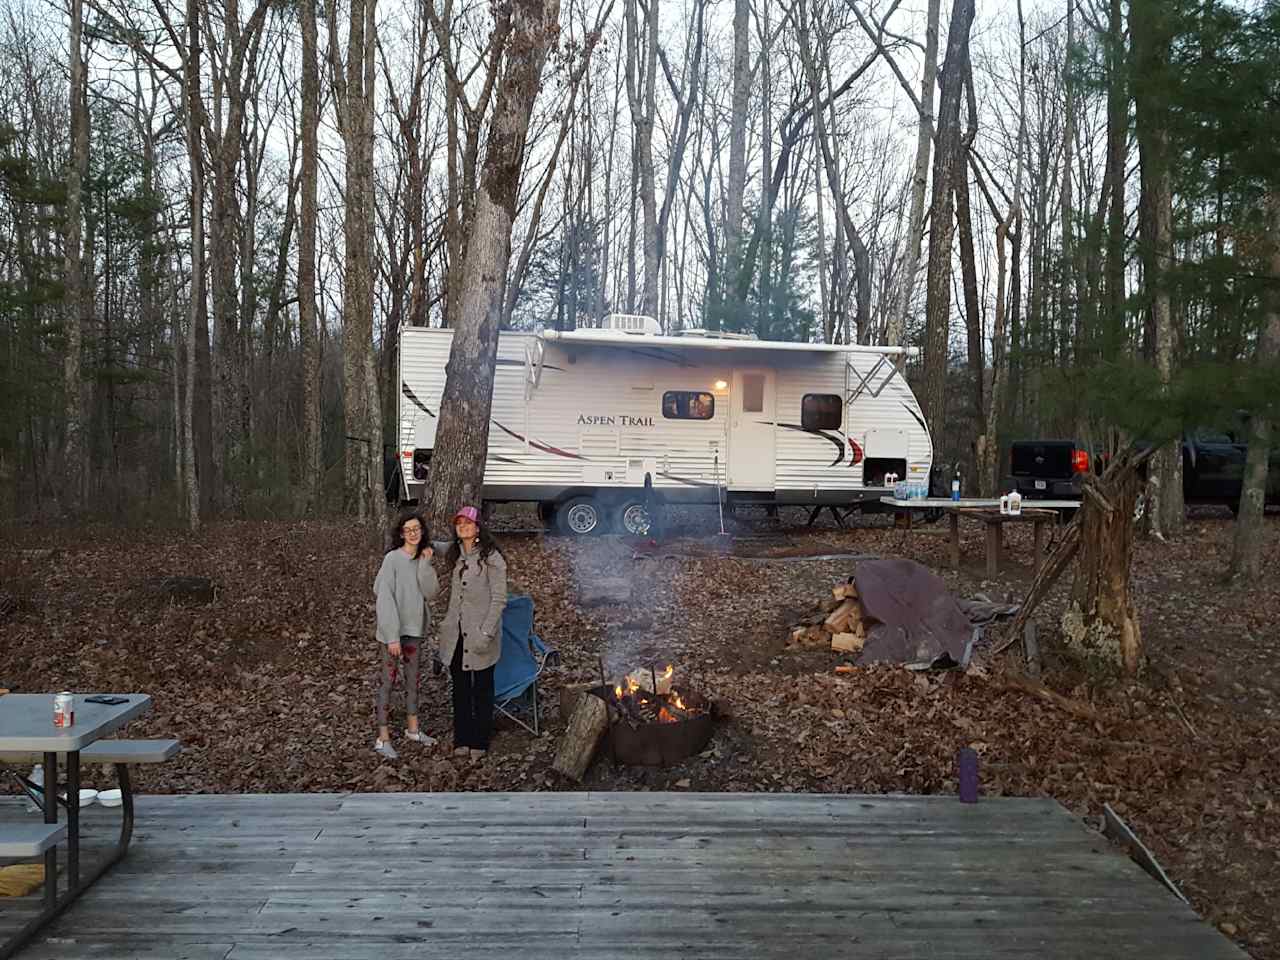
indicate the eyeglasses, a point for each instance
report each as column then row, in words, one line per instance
column 410, row 530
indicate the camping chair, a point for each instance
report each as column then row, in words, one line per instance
column 523, row 658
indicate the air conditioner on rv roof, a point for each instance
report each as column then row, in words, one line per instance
column 636, row 323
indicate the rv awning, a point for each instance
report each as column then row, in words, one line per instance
column 606, row 338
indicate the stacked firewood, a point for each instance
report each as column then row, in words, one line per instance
column 840, row 622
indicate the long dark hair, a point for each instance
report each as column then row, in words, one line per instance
column 397, row 532
column 485, row 545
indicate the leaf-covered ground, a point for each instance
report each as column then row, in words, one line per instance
column 270, row 688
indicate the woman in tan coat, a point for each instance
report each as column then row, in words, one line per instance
column 471, row 633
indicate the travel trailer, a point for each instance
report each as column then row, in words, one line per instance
column 597, row 425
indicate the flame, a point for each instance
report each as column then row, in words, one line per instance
column 617, row 692
column 675, row 698
column 665, row 716
column 632, row 686
column 666, row 674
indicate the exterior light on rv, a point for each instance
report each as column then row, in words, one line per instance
column 722, row 385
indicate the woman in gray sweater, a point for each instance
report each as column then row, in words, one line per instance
column 405, row 584
column 470, row 636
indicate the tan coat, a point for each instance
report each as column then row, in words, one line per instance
column 476, row 602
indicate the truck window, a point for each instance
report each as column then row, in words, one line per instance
column 688, row 405
column 821, row 411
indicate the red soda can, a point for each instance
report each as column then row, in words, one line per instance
column 64, row 709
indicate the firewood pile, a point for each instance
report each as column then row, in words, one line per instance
column 840, row 623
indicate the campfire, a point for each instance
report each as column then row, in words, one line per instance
column 648, row 697
column 642, row 718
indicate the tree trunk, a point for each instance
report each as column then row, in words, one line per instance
column 1150, row 30
column 1117, row 143
column 354, row 94
column 641, row 94
column 77, row 308
column 938, row 311
column 198, row 320
column 307, row 333
column 1099, row 622
column 462, row 436
column 1246, row 552
column 897, row 326
column 737, row 184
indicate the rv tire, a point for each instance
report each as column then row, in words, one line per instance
column 633, row 517
column 580, row 517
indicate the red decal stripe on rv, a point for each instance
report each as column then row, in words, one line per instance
column 857, row 451
column 538, row 446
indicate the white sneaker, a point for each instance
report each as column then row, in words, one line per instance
column 385, row 748
column 417, row 736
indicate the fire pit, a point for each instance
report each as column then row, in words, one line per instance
column 652, row 722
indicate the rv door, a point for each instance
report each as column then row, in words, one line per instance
column 751, row 431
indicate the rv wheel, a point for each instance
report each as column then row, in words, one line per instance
column 634, row 519
column 580, row 517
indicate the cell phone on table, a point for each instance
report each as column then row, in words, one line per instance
column 106, row 700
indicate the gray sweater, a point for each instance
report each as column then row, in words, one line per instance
column 474, row 619
column 403, row 588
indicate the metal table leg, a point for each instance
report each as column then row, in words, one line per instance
column 73, row 819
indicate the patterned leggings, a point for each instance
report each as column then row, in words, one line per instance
column 391, row 668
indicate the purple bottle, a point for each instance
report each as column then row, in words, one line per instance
column 967, row 761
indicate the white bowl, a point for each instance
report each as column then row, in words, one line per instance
column 87, row 797
column 110, row 798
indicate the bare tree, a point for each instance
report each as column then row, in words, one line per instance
column 353, row 85
column 946, row 159
column 78, row 299
column 309, row 470
column 1246, row 552
column 462, row 436
column 919, row 179
column 1150, row 29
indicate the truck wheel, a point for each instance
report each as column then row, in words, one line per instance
column 632, row 518
column 580, row 517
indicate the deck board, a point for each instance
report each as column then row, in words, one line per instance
column 629, row 875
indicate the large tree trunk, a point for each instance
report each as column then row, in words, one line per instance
column 462, row 436
column 308, row 335
column 737, row 183
column 938, row 311
column 641, row 95
column 1117, row 143
column 1099, row 622
column 198, row 319
column 897, row 325
column 1151, row 33
column 77, row 308
column 1246, row 553
column 355, row 98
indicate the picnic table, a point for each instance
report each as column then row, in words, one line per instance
column 1040, row 513
column 26, row 727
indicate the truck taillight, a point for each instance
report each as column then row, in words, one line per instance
column 1080, row 461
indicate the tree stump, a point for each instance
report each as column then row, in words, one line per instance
column 578, row 746
column 1099, row 622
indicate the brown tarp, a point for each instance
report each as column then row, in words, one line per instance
column 917, row 620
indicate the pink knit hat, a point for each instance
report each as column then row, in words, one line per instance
column 467, row 513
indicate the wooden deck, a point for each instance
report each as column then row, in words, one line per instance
column 601, row 875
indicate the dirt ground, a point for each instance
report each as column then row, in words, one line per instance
column 270, row 687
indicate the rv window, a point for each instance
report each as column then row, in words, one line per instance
column 688, row 405
column 753, row 393
column 820, row 411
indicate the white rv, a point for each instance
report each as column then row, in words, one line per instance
column 594, row 425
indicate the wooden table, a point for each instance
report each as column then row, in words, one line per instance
column 995, row 521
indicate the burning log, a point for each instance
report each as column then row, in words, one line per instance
column 578, row 746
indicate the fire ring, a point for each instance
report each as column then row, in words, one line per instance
column 659, row 743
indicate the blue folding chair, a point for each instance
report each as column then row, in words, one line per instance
column 523, row 658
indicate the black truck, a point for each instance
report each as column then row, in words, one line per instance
column 1212, row 469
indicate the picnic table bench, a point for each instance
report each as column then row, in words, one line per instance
column 1042, row 514
column 27, row 735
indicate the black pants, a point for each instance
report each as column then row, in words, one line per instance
column 472, row 703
